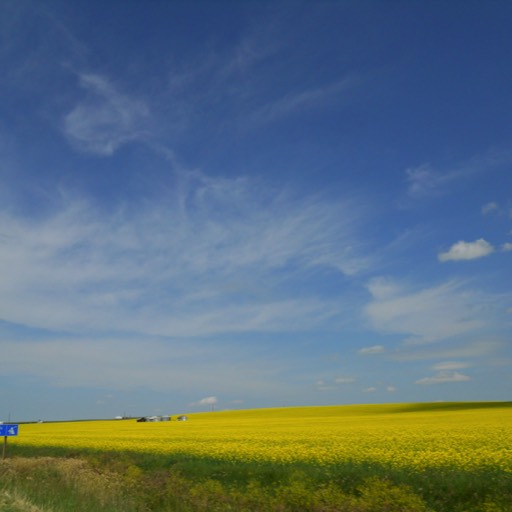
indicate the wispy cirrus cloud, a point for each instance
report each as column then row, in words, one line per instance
column 443, row 377
column 426, row 181
column 426, row 315
column 299, row 101
column 135, row 363
column 446, row 372
column 489, row 207
column 470, row 350
column 104, row 119
column 215, row 255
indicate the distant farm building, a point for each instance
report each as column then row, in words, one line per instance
column 153, row 418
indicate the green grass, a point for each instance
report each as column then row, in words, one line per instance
column 143, row 482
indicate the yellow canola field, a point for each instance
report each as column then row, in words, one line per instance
column 417, row 436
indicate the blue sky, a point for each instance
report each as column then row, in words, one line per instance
column 253, row 204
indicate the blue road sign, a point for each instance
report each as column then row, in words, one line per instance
column 8, row 430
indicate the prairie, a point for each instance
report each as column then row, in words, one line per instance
column 438, row 457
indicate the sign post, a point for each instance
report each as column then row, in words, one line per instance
column 7, row 431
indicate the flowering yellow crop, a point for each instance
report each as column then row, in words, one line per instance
column 397, row 435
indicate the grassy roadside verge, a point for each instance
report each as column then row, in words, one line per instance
column 59, row 481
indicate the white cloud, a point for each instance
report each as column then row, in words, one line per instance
column 506, row 247
column 375, row 349
column 467, row 251
column 344, row 380
column 105, row 119
column 428, row 315
column 336, row 383
column 370, row 390
column 209, row 400
column 443, row 377
column 489, row 207
column 450, row 365
column 390, row 389
column 321, row 385
column 383, row 288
